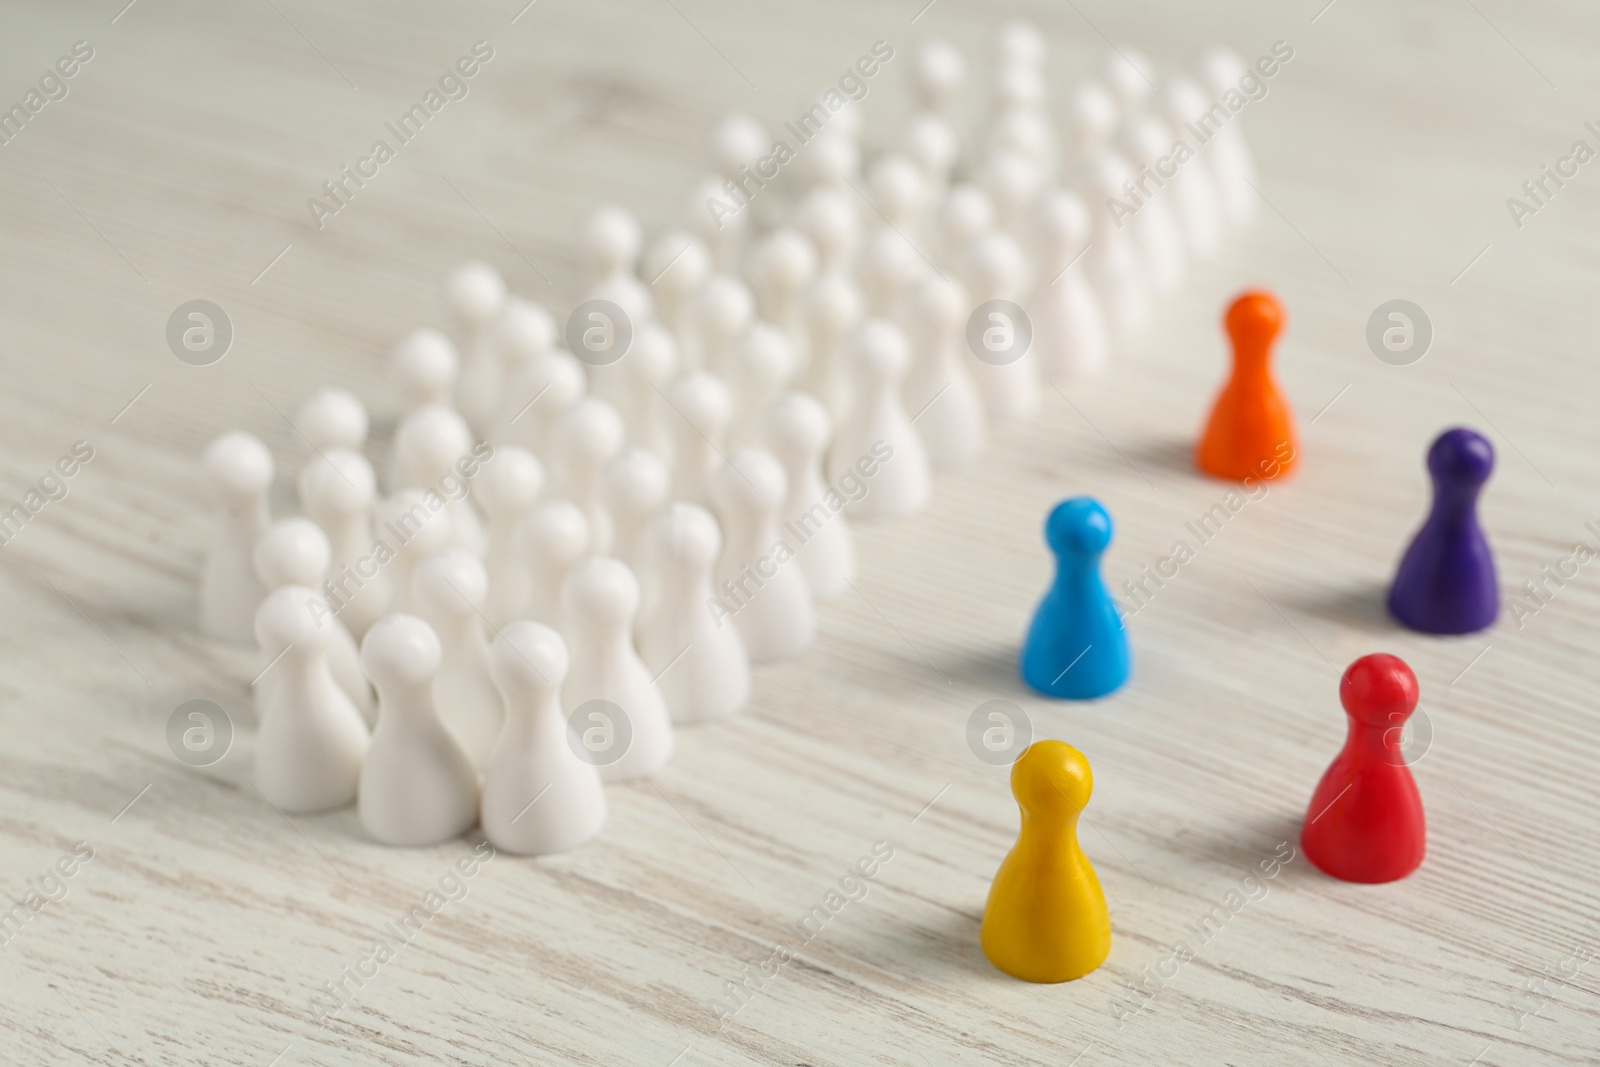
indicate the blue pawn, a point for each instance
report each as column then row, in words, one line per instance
column 1077, row 648
column 1446, row 582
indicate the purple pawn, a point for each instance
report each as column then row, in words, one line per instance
column 1446, row 581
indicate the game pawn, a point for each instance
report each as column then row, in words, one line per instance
column 1365, row 822
column 1076, row 648
column 1446, row 581
column 1250, row 433
column 1046, row 918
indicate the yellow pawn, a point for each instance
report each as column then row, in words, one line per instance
column 1046, row 918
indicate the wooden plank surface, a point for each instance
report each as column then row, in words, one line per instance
column 177, row 167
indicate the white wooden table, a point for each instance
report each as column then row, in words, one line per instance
column 178, row 166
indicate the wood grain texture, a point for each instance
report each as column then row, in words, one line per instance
column 178, row 167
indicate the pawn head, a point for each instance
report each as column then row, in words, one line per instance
column 799, row 425
column 1052, row 779
column 637, row 482
column 426, row 530
column 654, row 355
column 737, row 140
column 293, row 616
column 786, row 259
column 400, row 649
column 704, row 401
column 941, row 302
column 558, row 533
column 677, row 260
column 602, row 592
column 752, row 482
column 1379, row 690
column 512, row 482
column 834, row 305
column 333, row 418
column 688, row 535
column 1079, row 526
column 592, row 431
column 726, row 305
column 475, row 291
column 1254, row 319
column 240, row 466
column 292, row 552
column 1460, row 456
column 933, row 143
column 426, row 364
column 430, row 440
column 526, row 329
column 612, row 238
column 341, row 483
column 528, row 655
column 879, row 351
column 449, row 583
column 940, row 70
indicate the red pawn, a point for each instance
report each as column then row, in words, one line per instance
column 1365, row 823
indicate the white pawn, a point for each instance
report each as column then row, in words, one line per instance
column 676, row 265
column 833, row 307
column 538, row 796
column 333, row 418
column 890, row 268
column 524, row 334
column 1114, row 267
column 648, row 368
column 449, row 590
column 700, row 662
column 508, row 491
column 726, row 309
column 609, row 687
column 941, row 393
column 1130, row 77
column 587, row 438
column 1190, row 200
column 759, row 364
column 413, row 531
column 798, row 431
column 878, row 437
column 831, row 220
column 542, row 391
column 995, row 269
column 757, row 582
column 1200, row 208
column 1091, row 116
column 1147, row 217
column 832, row 162
column 934, row 145
column 296, row 552
column 476, row 294
column 720, row 223
column 1069, row 329
column 1019, row 43
column 611, row 243
column 702, row 406
column 1013, row 181
column 240, row 470
column 311, row 741
column 966, row 214
column 430, row 444
column 424, row 366
column 899, row 192
column 556, row 539
column 635, row 487
column 418, row 787
column 330, row 419
column 940, row 74
column 338, row 491
column 784, row 264
column 1233, row 169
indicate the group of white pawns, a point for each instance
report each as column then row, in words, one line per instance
column 740, row 389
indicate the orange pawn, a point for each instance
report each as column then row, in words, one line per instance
column 1251, row 430
column 1046, row 918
